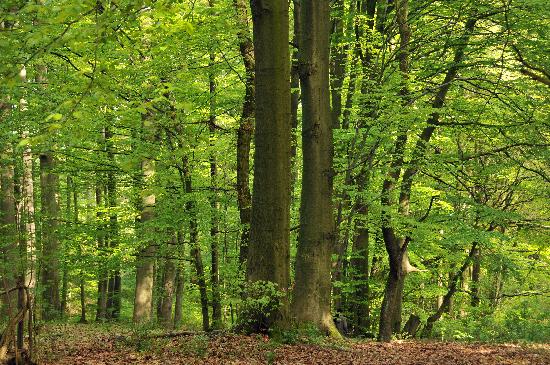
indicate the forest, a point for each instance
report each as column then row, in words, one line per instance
column 274, row 182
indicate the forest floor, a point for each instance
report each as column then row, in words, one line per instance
column 85, row 344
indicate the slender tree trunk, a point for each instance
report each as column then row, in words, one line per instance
column 313, row 282
column 180, row 287
column 447, row 298
column 29, row 232
column 246, row 128
column 69, row 226
column 215, row 207
column 338, row 55
column 360, row 264
column 114, row 283
column 101, row 312
column 476, row 270
column 49, row 183
column 81, row 279
column 269, row 247
column 195, row 251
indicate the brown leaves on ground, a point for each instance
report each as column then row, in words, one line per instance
column 85, row 345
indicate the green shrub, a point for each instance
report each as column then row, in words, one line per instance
column 260, row 307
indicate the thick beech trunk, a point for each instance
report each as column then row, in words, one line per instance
column 49, row 183
column 143, row 300
column 269, row 247
column 167, row 294
column 313, row 258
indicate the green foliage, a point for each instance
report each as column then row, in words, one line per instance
column 519, row 319
column 260, row 306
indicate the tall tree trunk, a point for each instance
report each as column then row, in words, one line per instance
column 313, row 282
column 28, row 218
column 101, row 310
column 69, row 226
column 269, row 247
column 195, row 251
column 360, row 265
column 476, row 270
column 180, row 287
column 246, row 128
column 114, row 283
column 143, row 300
column 215, row 206
column 167, row 295
column 81, row 279
column 49, row 183
column 10, row 267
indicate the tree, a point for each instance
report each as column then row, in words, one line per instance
column 269, row 246
column 312, row 290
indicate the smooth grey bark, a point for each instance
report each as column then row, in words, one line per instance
column 313, row 264
column 269, row 247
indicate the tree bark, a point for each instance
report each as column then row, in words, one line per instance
column 269, row 247
column 167, row 295
column 313, row 281
column 214, row 208
column 195, row 251
column 180, row 287
column 246, row 128
column 360, row 265
column 10, row 267
column 49, row 183
column 143, row 300
column 115, row 282
column 476, row 270
column 101, row 310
